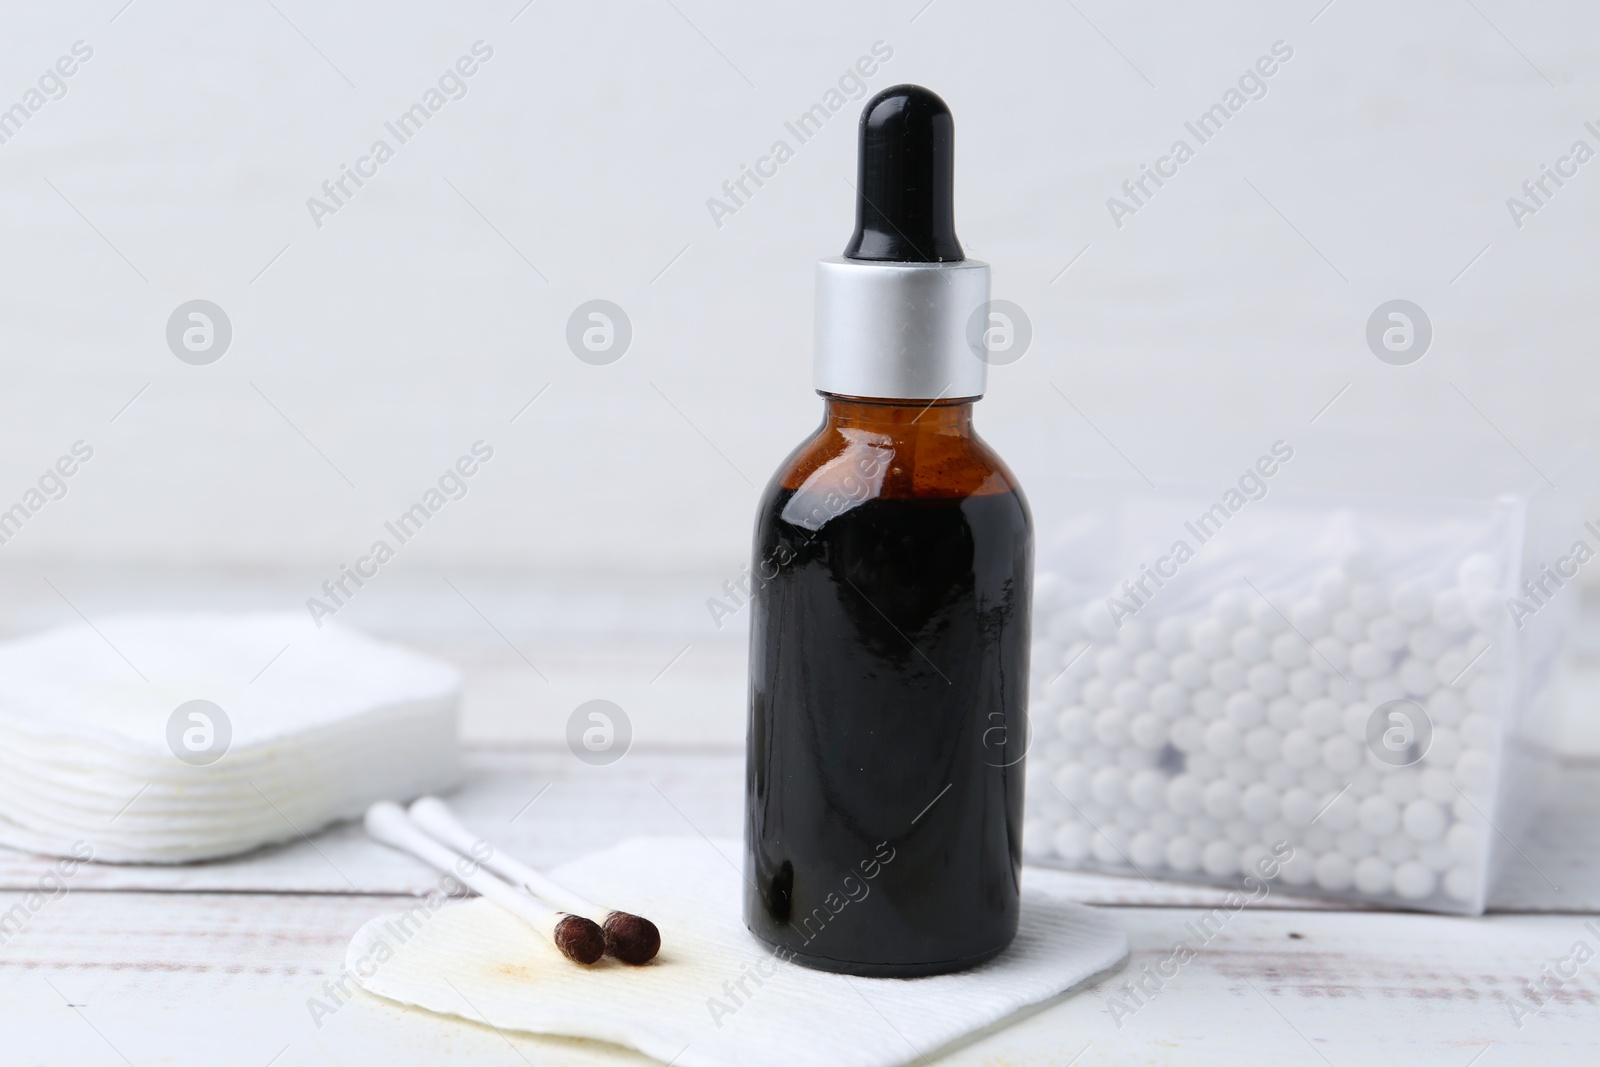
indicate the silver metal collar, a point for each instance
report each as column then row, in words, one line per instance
column 900, row 331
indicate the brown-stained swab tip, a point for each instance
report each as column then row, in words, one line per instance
column 631, row 938
column 579, row 939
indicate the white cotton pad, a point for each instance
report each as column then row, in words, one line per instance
column 715, row 995
column 314, row 725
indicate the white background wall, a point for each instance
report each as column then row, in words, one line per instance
column 428, row 311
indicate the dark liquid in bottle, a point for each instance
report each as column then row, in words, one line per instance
column 889, row 672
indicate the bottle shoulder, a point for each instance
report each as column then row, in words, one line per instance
column 902, row 461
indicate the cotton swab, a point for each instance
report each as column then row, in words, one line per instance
column 578, row 938
column 629, row 938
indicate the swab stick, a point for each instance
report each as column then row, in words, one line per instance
column 629, row 938
column 578, row 938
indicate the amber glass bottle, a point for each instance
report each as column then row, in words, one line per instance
column 888, row 675
column 889, row 630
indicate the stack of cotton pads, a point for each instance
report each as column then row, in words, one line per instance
column 1187, row 745
column 171, row 738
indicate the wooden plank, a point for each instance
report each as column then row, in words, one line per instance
column 1276, row 987
column 547, row 807
column 206, row 978
column 106, row 978
column 544, row 805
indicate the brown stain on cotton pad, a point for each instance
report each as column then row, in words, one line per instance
column 579, row 939
column 631, row 938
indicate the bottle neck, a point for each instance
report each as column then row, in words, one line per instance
column 900, row 418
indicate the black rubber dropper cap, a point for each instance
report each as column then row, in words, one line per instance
column 905, row 181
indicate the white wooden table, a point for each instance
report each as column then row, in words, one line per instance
column 215, row 963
